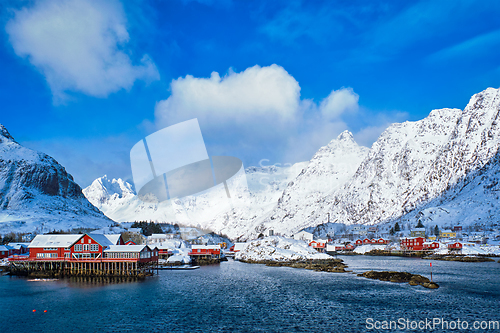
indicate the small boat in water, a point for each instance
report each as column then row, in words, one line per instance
column 183, row 267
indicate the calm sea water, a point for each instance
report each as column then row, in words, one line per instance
column 238, row 297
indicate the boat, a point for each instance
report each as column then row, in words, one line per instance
column 183, row 267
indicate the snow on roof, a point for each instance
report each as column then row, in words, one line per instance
column 105, row 240
column 447, row 230
column 18, row 245
column 164, row 247
column 125, row 248
column 54, row 240
column 239, row 246
column 212, row 247
column 3, row 248
column 418, row 229
column 157, row 236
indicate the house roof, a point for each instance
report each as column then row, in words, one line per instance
column 157, row 236
column 104, row 239
column 125, row 248
column 239, row 246
column 18, row 245
column 212, row 247
column 54, row 240
column 4, row 248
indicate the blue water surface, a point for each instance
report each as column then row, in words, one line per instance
column 239, row 297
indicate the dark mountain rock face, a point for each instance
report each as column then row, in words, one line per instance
column 34, row 186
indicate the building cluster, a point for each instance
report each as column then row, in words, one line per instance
column 96, row 254
column 451, row 240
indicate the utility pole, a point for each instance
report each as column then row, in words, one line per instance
column 431, row 271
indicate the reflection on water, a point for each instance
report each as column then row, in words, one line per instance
column 238, row 297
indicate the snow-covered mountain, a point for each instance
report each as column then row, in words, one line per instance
column 441, row 169
column 254, row 193
column 330, row 168
column 447, row 160
column 36, row 192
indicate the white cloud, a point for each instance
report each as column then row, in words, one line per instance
column 338, row 102
column 256, row 93
column 79, row 46
column 256, row 112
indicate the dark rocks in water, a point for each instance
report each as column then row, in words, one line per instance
column 319, row 265
column 205, row 262
column 400, row 277
column 460, row 258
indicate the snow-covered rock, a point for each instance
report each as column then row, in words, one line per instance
column 278, row 249
column 36, row 193
column 179, row 256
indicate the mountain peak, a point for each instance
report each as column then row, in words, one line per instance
column 345, row 136
column 4, row 134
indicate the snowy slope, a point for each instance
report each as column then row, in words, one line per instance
column 473, row 201
column 254, row 193
column 278, row 249
column 410, row 165
column 36, row 192
column 330, row 168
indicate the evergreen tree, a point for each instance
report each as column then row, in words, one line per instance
column 396, row 227
column 391, row 232
column 420, row 225
column 436, row 230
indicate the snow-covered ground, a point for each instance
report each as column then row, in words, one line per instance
column 179, row 256
column 278, row 249
column 369, row 247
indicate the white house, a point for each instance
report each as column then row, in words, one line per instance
column 156, row 238
column 304, row 235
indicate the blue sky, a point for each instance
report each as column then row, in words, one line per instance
column 84, row 80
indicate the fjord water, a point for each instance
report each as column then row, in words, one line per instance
column 239, row 297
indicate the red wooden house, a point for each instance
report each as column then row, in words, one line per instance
column 371, row 241
column 349, row 247
column 74, row 247
column 139, row 253
column 319, row 245
column 431, row 245
column 205, row 251
column 413, row 243
column 4, row 251
column 164, row 252
column 455, row 246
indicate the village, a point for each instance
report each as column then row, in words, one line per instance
column 131, row 253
